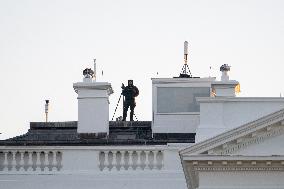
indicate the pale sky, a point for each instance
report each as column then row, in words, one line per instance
column 45, row 45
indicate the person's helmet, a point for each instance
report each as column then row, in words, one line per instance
column 130, row 82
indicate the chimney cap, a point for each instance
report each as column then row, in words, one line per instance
column 88, row 73
column 225, row 67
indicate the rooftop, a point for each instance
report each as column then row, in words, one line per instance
column 120, row 133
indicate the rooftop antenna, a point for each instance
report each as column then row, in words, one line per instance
column 95, row 70
column 46, row 110
column 185, row 72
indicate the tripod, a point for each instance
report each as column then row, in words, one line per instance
column 122, row 108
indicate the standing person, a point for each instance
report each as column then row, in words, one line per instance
column 129, row 92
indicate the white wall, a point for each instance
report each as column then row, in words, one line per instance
column 176, row 122
column 241, row 180
column 81, row 169
column 221, row 114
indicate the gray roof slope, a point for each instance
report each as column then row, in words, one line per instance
column 120, row 133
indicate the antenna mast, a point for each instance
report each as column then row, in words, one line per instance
column 46, row 110
column 185, row 72
column 95, row 70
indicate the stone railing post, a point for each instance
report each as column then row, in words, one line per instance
column 54, row 163
column 107, row 161
column 147, row 162
column 155, row 162
column 5, row 162
column 38, row 163
column 139, row 162
column 21, row 161
column 30, row 161
column 46, row 163
column 114, row 159
column 122, row 162
column 130, row 162
column 13, row 161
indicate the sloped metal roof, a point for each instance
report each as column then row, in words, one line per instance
column 120, row 133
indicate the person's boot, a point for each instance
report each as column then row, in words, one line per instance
column 131, row 115
column 124, row 116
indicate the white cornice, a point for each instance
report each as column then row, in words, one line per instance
column 93, row 86
column 239, row 99
column 89, row 148
column 206, row 163
column 229, row 82
column 232, row 158
column 249, row 164
column 182, row 80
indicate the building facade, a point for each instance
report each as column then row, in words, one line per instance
column 201, row 137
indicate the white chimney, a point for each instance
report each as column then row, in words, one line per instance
column 225, row 87
column 225, row 68
column 93, row 104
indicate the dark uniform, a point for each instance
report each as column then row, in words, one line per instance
column 129, row 92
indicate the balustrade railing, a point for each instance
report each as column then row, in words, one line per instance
column 30, row 160
column 51, row 160
column 131, row 160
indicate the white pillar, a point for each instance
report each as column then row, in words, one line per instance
column 122, row 163
column 38, row 163
column 30, row 161
column 13, row 162
column 107, row 162
column 21, row 162
column 139, row 162
column 114, row 162
column 155, row 159
column 147, row 162
column 54, row 163
column 46, row 163
column 5, row 161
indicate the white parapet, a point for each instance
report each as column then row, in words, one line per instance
column 220, row 114
column 224, row 88
column 93, row 106
column 72, row 167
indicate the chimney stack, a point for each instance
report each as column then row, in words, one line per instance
column 225, row 87
column 93, row 105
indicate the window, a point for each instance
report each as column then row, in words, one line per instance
column 180, row 99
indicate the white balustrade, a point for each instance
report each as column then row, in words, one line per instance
column 153, row 162
column 22, row 161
